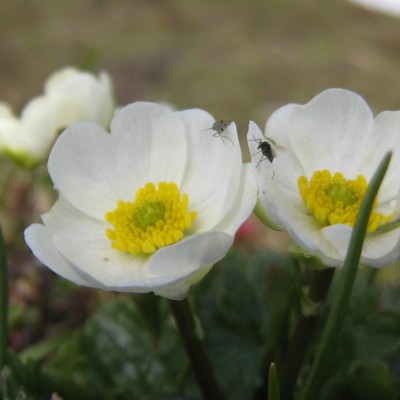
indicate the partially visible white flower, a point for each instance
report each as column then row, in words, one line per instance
column 326, row 153
column 391, row 7
column 70, row 95
column 149, row 207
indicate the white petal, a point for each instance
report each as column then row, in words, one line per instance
column 9, row 132
column 332, row 131
column 39, row 239
column 59, row 77
column 39, row 126
column 180, row 288
column 245, row 202
column 93, row 169
column 276, row 182
column 381, row 249
column 119, row 271
column 188, row 255
column 213, row 169
column 84, row 167
column 386, row 138
column 151, row 141
column 386, row 259
column 339, row 237
column 272, row 202
column 81, row 96
column 6, row 110
column 282, row 172
column 390, row 7
column 65, row 220
column 262, row 166
column 377, row 250
column 112, row 268
column 304, row 229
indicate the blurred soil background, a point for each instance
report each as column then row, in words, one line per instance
column 238, row 59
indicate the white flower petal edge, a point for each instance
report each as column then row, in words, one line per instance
column 81, row 95
column 386, row 137
column 331, row 124
column 40, row 238
column 216, row 160
column 244, row 203
column 180, row 287
column 264, row 173
column 336, row 130
column 183, row 259
column 28, row 139
column 185, row 256
column 378, row 251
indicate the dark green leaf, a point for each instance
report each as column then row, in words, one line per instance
column 131, row 361
column 236, row 309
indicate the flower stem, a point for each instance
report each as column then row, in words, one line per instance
column 347, row 277
column 304, row 331
column 3, row 302
column 195, row 350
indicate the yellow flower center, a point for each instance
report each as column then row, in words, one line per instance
column 336, row 200
column 157, row 218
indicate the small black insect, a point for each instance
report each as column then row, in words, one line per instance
column 266, row 150
column 219, row 128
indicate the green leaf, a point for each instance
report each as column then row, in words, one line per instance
column 74, row 370
column 370, row 380
column 371, row 329
column 379, row 336
column 236, row 305
column 26, row 379
column 130, row 360
column 119, row 354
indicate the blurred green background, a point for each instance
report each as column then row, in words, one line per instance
column 238, row 59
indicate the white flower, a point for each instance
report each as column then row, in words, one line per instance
column 69, row 96
column 150, row 207
column 391, row 7
column 325, row 154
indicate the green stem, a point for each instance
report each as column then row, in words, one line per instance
column 347, row 277
column 3, row 302
column 195, row 350
column 273, row 383
column 303, row 333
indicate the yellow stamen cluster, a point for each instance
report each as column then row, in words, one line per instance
column 332, row 199
column 156, row 218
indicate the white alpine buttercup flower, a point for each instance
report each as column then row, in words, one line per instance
column 150, row 206
column 70, row 95
column 326, row 152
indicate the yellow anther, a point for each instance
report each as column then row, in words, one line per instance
column 332, row 199
column 156, row 218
